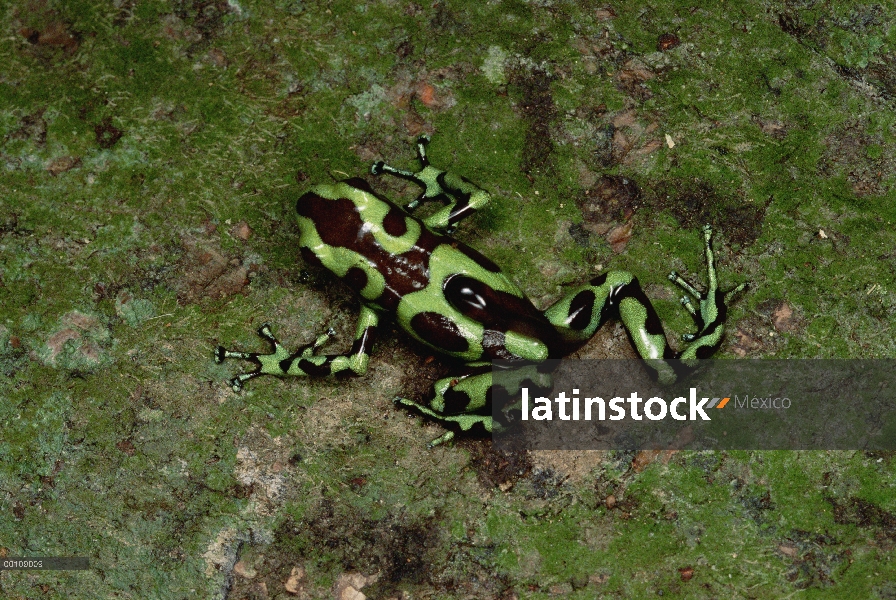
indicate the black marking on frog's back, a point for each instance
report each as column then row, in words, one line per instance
column 499, row 312
column 439, row 331
column 361, row 184
column 395, row 222
column 356, row 278
column 456, row 401
column 599, row 280
column 339, row 224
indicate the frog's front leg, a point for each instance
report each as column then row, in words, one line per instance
column 462, row 196
column 303, row 361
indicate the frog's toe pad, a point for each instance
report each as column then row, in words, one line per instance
column 445, row 437
column 235, row 384
column 377, row 168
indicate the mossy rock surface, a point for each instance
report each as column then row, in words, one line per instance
column 151, row 155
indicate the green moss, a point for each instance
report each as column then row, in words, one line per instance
column 119, row 436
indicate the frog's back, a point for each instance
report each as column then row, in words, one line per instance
column 372, row 244
column 443, row 292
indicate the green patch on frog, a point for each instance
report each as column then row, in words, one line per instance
column 458, row 302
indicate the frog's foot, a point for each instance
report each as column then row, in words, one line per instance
column 462, row 198
column 278, row 362
column 711, row 309
column 462, row 401
column 380, row 167
column 464, row 422
column 428, row 177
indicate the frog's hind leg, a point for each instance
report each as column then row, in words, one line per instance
column 265, row 363
column 465, row 402
column 304, row 361
column 461, row 401
column 462, row 197
column 617, row 294
column 614, row 294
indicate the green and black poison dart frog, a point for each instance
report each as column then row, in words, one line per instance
column 455, row 300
